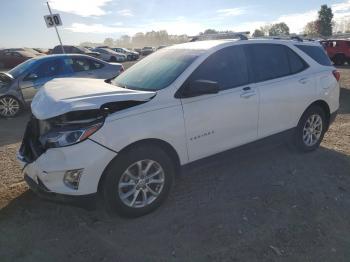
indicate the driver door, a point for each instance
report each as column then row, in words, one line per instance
column 229, row 118
column 36, row 78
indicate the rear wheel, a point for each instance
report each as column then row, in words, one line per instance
column 113, row 59
column 138, row 181
column 9, row 106
column 311, row 129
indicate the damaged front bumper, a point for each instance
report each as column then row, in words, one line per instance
column 45, row 171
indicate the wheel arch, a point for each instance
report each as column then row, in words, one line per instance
column 168, row 148
column 325, row 107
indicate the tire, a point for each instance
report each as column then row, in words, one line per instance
column 9, row 106
column 339, row 60
column 113, row 59
column 121, row 191
column 311, row 129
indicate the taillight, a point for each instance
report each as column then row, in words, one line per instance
column 336, row 74
column 121, row 70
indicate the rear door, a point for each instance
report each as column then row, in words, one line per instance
column 39, row 75
column 217, row 122
column 284, row 85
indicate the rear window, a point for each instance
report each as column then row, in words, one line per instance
column 317, row 53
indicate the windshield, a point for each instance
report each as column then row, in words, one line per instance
column 157, row 71
column 21, row 68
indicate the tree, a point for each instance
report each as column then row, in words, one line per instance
column 108, row 42
column 325, row 16
column 258, row 33
column 279, row 29
column 312, row 28
column 210, row 31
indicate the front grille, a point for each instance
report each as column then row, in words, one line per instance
column 31, row 148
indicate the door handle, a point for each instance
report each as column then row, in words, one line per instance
column 247, row 92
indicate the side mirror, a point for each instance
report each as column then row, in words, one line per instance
column 201, row 87
column 32, row 77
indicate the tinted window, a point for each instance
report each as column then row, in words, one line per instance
column 317, row 53
column 296, row 63
column 78, row 64
column 49, row 69
column 228, row 67
column 269, row 61
column 95, row 64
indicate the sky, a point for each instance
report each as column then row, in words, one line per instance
column 22, row 22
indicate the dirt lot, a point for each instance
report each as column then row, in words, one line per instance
column 261, row 203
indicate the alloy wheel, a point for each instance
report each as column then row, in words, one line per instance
column 141, row 183
column 312, row 130
column 9, row 106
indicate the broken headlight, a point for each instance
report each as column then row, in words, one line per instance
column 69, row 134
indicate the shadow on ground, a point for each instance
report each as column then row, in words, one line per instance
column 262, row 203
column 12, row 129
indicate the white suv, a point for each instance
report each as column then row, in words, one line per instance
column 128, row 137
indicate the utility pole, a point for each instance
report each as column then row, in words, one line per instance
column 58, row 35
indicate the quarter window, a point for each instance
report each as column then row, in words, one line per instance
column 317, row 53
column 227, row 67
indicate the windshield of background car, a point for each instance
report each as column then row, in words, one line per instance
column 21, row 68
column 158, row 70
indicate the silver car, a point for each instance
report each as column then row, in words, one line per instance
column 19, row 85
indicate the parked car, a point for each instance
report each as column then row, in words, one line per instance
column 69, row 49
column 338, row 50
column 20, row 84
column 138, row 50
column 147, row 51
column 110, row 55
column 43, row 51
column 9, row 59
column 23, row 49
column 128, row 138
column 131, row 55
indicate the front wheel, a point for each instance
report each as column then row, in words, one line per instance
column 311, row 129
column 138, row 181
column 9, row 106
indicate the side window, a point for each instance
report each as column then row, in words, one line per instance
column 297, row 64
column 80, row 64
column 317, row 53
column 227, row 66
column 50, row 68
column 95, row 64
column 269, row 61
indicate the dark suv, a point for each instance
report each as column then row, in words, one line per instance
column 338, row 50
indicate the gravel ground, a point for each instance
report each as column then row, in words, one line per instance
column 258, row 203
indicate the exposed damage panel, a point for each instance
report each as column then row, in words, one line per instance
column 62, row 96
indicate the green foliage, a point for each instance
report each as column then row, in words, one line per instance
column 325, row 16
column 279, row 29
column 258, row 33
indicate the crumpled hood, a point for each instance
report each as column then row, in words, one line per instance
column 64, row 95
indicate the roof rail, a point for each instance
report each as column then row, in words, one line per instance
column 295, row 37
column 216, row 36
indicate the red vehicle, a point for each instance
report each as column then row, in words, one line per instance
column 338, row 50
column 9, row 59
